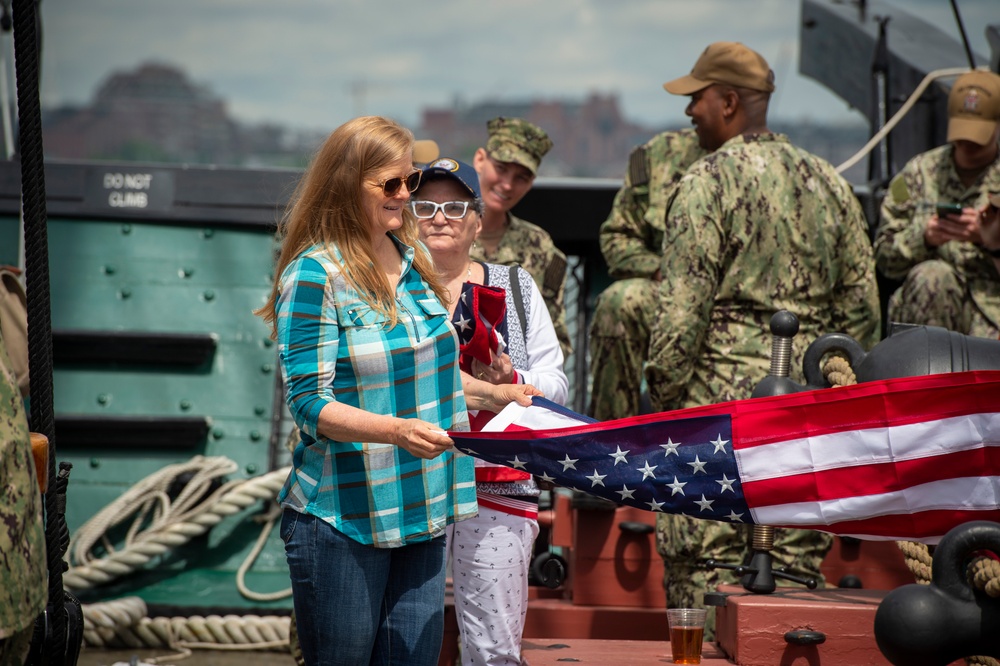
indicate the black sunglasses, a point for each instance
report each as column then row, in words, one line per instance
column 390, row 186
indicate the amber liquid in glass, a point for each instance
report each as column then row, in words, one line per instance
column 685, row 644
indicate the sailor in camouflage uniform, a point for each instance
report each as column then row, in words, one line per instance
column 631, row 240
column 950, row 280
column 755, row 227
column 23, row 570
column 507, row 168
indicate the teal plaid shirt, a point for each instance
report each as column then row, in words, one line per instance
column 334, row 348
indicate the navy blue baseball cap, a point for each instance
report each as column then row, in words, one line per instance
column 452, row 168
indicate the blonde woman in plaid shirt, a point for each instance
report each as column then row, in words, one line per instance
column 370, row 362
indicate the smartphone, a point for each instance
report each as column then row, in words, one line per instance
column 948, row 209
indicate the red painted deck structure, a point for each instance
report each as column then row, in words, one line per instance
column 611, row 609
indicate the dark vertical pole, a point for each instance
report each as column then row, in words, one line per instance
column 26, row 57
column 965, row 38
column 35, row 221
column 879, row 166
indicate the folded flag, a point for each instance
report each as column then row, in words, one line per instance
column 900, row 459
column 481, row 322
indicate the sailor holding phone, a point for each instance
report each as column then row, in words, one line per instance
column 930, row 233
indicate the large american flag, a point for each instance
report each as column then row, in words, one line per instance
column 896, row 459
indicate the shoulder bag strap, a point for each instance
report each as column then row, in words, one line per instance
column 515, row 287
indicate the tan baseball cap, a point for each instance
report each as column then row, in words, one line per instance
column 425, row 151
column 974, row 107
column 731, row 63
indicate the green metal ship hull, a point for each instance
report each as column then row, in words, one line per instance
column 158, row 357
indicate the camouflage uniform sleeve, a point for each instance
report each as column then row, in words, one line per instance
column 553, row 290
column 692, row 248
column 23, row 566
column 625, row 236
column 857, row 310
column 532, row 248
column 899, row 242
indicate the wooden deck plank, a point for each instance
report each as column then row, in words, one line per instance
column 559, row 652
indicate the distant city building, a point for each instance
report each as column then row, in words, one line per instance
column 156, row 114
column 590, row 138
column 151, row 113
column 593, row 139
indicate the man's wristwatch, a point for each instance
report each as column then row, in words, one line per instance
column 995, row 253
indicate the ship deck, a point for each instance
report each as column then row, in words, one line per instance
column 538, row 652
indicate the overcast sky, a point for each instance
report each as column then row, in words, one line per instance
column 317, row 63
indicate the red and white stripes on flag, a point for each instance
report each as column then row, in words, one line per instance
column 902, row 458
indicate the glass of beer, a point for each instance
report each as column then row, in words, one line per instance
column 687, row 631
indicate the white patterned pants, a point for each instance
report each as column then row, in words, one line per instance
column 490, row 555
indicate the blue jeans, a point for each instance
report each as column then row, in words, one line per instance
column 356, row 604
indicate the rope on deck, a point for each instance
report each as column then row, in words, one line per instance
column 160, row 522
column 838, row 371
column 122, row 623
column 918, row 559
column 983, row 572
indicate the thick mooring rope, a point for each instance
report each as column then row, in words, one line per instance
column 983, row 572
column 167, row 523
column 918, row 559
column 160, row 523
column 123, row 624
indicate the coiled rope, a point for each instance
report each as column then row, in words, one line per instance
column 123, row 624
column 159, row 523
column 983, row 572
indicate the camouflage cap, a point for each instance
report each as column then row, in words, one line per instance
column 731, row 63
column 995, row 199
column 974, row 107
column 518, row 141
